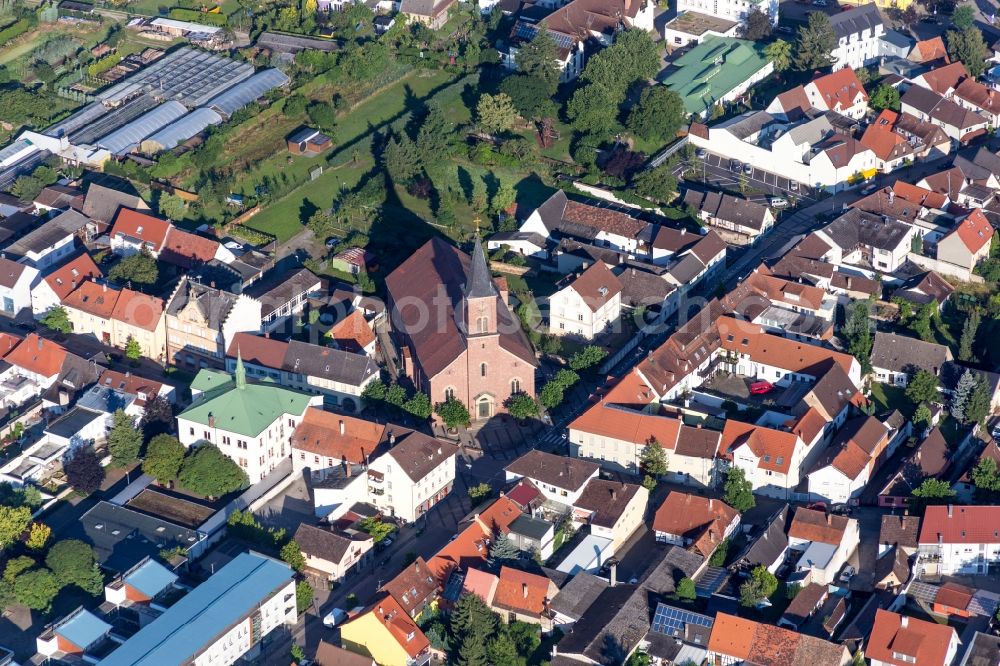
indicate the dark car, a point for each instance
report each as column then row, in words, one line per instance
column 734, row 165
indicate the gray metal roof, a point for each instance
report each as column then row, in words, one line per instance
column 128, row 136
column 184, row 128
column 81, row 118
column 248, row 91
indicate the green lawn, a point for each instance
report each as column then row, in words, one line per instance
column 890, row 397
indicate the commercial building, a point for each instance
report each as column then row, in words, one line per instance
column 716, row 71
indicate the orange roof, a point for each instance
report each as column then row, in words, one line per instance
column 400, row 625
column 632, row 390
column 480, row 582
column 337, row 436
column 187, row 249
column 919, row 195
column 147, row 228
column 813, row 525
column 839, row 89
column 773, row 448
column 521, row 591
column 7, row 343
column 695, row 517
column 352, row 333
column 785, row 291
column 67, row 277
column 471, row 545
column 93, row 298
column 954, row 595
column 781, row 352
column 138, row 310
column 944, row 79
column 732, row 636
column 886, row 144
column 596, row 286
column 930, row 49
column 639, row 428
column 808, row 426
column 975, row 231
column 925, row 643
column 38, row 355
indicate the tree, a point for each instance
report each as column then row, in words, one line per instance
column 26, row 188
column 960, row 396
column 303, row 596
column 964, row 17
column 395, row 395
column 968, row 47
column 73, row 562
column 38, row 536
column 480, row 491
column 419, row 405
column 57, row 319
column 884, row 97
column 374, row 391
column 13, row 522
column 172, row 206
column 921, row 416
column 36, row 589
column 986, row 479
column 453, row 412
column 83, row 470
column 530, row 95
column 551, row 395
column 521, row 406
column 157, row 416
column 758, row 25
column 124, row 439
column 933, row 491
column 207, row 471
column 473, row 652
column 658, row 114
column 720, row 553
column 977, row 408
column 502, row 651
column 633, row 57
column 378, row 529
column 738, row 491
column 164, row 456
column 503, row 550
column 857, row 329
column 686, row 589
column 139, row 268
column 537, row 59
column 292, row 555
column 967, row 342
column 433, row 139
column 495, row 113
column 401, row 159
column 816, row 40
column 653, row 459
column 323, row 116
column 587, row 357
column 761, row 585
column 923, row 387
column 594, row 109
column 658, row 184
column 779, row 52
column 471, row 617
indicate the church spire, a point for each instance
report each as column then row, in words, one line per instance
column 241, row 372
column 480, row 283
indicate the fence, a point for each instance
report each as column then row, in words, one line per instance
column 665, row 154
column 945, row 268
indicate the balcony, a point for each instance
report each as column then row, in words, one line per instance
column 421, row 659
column 375, row 477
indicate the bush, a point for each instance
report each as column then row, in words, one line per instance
column 14, row 30
column 216, row 20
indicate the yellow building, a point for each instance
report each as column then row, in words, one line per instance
column 140, row 317
column 881, row 4
column 387, row 634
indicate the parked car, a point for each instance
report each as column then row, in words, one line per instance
column 777, row 202
column 332, row 242
column 819, row 3
column 735, row 165
column 334, row 617
column 793, row 186
column 847, row 574
column 869, row 189
column 748, row 169
column 784, row 29
column 701, row 153
column 761, row 388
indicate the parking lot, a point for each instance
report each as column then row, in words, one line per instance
column 717, row 172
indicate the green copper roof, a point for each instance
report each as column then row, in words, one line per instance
column 712, row 69
column 248, row 409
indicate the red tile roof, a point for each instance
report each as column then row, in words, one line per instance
column 639, row 428
column 400, row 625
column 96, row 299
column 7, row 343
column 186, row 249
column 925, row 643
column 919, row 195
column 781, row 352
column 147, row 228
column 774, row 448
column 943, row 79
column 954, row 595
column 812, row 525
column 696, row 518
column 596, row 286
column 38, row 355
column 961, row 524
column 139, row 310
column 257, row 349
column 471, row 545
column 131, row 384
column 67, row 277
column 929, row 49
column 975, row 231
column 352, row 333
column 337, row 436
column 839, row 89
column 522, row 592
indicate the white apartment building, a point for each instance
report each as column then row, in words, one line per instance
column 858, row 32
column 588, row 306
column 16, row 281
column 416, row 473
column 732, row 10
column 560, row 479
column 959, row 540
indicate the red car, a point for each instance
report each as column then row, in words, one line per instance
column 760, row 388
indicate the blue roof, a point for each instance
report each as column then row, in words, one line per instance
column 83, row 629
column 194, row 622
column 150, row 578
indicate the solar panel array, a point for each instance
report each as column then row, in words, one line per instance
column 527, row 32
column 671, row 621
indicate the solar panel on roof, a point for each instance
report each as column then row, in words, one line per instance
column 672, row 621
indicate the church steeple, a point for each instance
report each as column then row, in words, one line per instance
column 241, row 372
column 480, row 295
column 480, row 284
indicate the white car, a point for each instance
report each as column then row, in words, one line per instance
column 335, row 617
column 778, row 202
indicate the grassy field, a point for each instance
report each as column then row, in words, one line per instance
column 890, row 397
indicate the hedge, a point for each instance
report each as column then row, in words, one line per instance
column 104, row 64
column 194, row 16
column 15, row 30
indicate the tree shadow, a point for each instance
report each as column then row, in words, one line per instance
column 307, row 210
column 465, row 183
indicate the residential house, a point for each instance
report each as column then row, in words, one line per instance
column 470, row 547
column 960, row 124
column 387, row 634
column 143, row 584
column 613, row 510
column 414, row 589
column 246, row 421
column 944, row 79
column 417, row 472
column 89, row 310
column 16, row 283
column 929, row 50
column 135, row 232
column 574, row 598
column 201, row 322
column 79, row 634
column 858, row 32
column 737, row 640
column 353, row 334
column 521, row 596
column 615, row 437
column 37, row 359
column 863, row 239
column 901, row 532
column 771, row 459
column 839, row 91
column 57, row 284
column 282, row 294
column 139, row 317
column 825, row 541
column 732, row 10
column 49, row 244
column 845, row 467
column 968, row 243
column 332, row 554
column 694, row 522
column 328, row 654
column 957, row 540
column 766, row 547
column 432, row 13
column 737, row 64
column 975, row 96
column 561, row 480
column 588, row 305
column 896, row 358
column 924, row 288
column 892, row 570
column 738, row 221
column 476, row 355
column 930, row 459
column 891, row 148
column 145, row 389
column 58, row 198
column 898, row 640
column 339, row 376
column 807, row 601
column 101, row 205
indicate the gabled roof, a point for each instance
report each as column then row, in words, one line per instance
column 900, row 531
column 924, row 643
column 352, row 333
column 774, row 449
column 418, row 454
column 772, row 541
column 923, row 288
column 101, row 203
column 141, row 227
column 929, row 49
column 819, row 526
column 522, row 592
column 186, row 249
column 899, row 353
column 93, row 298
column 606, row 500
column 855, row 21
column 38, row 355
column 10, row 272
column 701, row 519
column 138, row 309
column 596, row 286
column 71, row 274
column 563, row 472
column 757, row 643
column 975, row 231
column 854, row 446
column 471, row 545
column 839, row 89
column 338, row 436
column 326, row 543
column 412, row 586
column 943, row 80
column 960, row 524
column 387, row 611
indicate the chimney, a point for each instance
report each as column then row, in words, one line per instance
column 104, row 287
column 903, row 621
column 416, row 567
column 211, row 420
column 524, row 590
column 614, row 572
column 848, row 281
column 267, row 334
column 829, row 519
column 950, row 507
column 212, row 284
column 614, row 494
column 392, row 439
column 341, row 427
